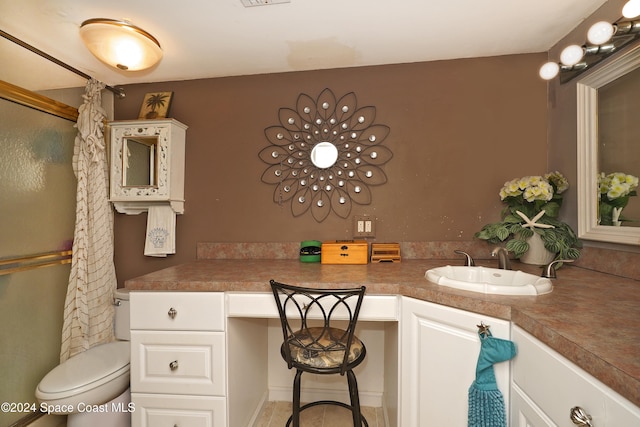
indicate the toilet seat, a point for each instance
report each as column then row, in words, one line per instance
column 100, row 373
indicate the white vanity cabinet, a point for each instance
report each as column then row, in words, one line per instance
column 546, row 386
column 439, row 352
column 178, row 366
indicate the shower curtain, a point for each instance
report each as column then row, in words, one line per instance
column 88, row 311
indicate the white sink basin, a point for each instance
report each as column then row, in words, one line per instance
column 490, row 280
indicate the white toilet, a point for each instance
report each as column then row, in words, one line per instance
column 92, row 387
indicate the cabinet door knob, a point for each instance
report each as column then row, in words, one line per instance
column 579, row 417
column 173, row 365
column 172, row 313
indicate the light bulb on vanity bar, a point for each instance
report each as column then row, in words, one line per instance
column 571, row 55
column 549, row 70
column 600, row 33
column 631, row 9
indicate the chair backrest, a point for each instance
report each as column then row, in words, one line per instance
column 326, row 318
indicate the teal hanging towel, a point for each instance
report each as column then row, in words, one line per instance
column 486, row 403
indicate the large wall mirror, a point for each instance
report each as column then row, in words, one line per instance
column 609, row 142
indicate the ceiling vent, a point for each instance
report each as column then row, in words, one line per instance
column 251, row 3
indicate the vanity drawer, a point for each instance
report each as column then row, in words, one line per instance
column 181, row 311
column 178, row 362
column 555, row 385
column 254, row 304
column 175, row 410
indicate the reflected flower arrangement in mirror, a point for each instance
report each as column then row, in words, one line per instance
column 325, row 155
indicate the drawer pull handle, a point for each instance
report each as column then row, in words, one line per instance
column 579, row 417
column 172, row 313
column 173, row 365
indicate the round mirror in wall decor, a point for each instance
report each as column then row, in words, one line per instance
column 325, row 155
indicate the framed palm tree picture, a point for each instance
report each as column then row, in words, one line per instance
column 155, row 105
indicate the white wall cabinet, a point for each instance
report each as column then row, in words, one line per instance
column 546, row 386
column 178, row 359
column 439, row 352
column 147, row 164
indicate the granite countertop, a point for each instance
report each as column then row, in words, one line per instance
column 591, row 318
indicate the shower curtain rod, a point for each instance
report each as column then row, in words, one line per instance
column 119, row 92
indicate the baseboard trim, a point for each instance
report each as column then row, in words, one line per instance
column 259, row 409
column 41, row 420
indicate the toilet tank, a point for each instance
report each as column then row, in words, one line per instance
column 121, row 321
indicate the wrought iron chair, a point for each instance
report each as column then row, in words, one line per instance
column 312, row 342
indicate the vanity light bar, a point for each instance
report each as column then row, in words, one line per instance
column 577, row 59
column 604, row 39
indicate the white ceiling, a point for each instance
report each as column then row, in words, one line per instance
column 214, row 38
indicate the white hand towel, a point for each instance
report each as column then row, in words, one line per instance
column 160, row 239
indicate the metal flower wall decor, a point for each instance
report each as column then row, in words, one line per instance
column 325, row 155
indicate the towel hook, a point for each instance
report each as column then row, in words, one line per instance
column 484, row 329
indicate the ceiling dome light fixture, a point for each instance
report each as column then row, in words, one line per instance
column 120, row 44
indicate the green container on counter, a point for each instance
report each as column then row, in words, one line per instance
column 310, row 250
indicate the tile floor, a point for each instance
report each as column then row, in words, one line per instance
column 275, row 414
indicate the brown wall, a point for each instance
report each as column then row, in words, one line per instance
column 459, row 130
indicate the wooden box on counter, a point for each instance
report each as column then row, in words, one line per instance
column 345, row 252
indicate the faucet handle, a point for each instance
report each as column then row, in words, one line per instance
column 469, row 261
column 549, row 270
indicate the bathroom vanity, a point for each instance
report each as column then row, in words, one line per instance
column 205, row 342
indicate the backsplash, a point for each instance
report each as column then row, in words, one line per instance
column 290, row 250
column 619, row 263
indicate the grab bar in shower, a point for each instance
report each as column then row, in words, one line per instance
column 30, row 262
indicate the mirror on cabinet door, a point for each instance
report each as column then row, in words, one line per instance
column 139, row 163
column 609, row 151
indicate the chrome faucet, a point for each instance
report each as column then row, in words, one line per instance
column 503, row 257
column 549, row 270
column 468, row 260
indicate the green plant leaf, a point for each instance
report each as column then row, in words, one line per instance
column 524, row 233
column 512, row 219
column 572, row 253
column 503, row 233
column 518, row 247
column 551, row 209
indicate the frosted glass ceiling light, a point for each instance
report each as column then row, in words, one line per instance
column 571, row 55
column 631, row 9
column 600, row 33
column 549, row 70
column 120, row 44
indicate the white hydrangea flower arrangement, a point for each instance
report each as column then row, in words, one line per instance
column 614, row 192
column 533, row 204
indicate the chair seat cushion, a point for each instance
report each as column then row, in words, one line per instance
column 314, row 347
